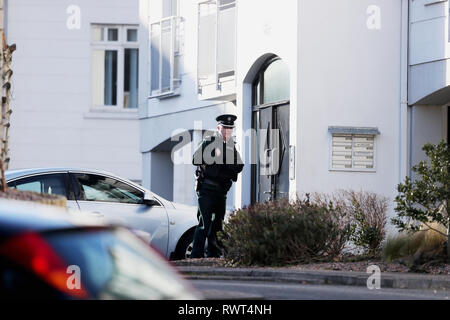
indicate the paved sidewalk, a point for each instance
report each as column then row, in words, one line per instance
column 388, row 280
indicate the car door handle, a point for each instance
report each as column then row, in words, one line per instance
column 98, row 214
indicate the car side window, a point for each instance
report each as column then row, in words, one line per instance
column 99, row 188
column 45, row 183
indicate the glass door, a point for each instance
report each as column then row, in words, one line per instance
column 270, row 120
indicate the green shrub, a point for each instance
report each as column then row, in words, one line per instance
column 283, row 232
column 423, row 201
column 340, row 215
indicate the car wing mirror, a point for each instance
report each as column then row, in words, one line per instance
column 150, row 201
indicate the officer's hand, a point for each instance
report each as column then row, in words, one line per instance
column 218, row 152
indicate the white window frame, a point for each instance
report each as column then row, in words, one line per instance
column 215, row 79
column 356, row 133
column 175, row 53
column 120, row 45
column 125, row 34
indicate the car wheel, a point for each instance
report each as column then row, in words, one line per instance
column 184, row 247
column 188, row 252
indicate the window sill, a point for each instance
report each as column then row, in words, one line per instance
column 112, row 114
column 353, row 170
column 434, row 2
column 165, row 95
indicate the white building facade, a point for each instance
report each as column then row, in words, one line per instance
column 75, row 84
column 429, row 75
column 346, row 95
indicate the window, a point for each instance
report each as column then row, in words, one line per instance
column 353, row 149
column 165, row 52
column 272, row 84
column 100, row 188
column 170, row 8
column 115, row 66
column 216, row 42
column 48, row 184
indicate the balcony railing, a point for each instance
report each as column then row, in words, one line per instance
column 165, row 54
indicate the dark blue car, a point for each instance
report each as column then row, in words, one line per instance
column 49, row 253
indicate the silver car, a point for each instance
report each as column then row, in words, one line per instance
column 169, row 226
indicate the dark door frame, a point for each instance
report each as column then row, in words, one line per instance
column 257, row 98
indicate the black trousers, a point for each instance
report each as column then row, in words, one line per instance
column 211, row 212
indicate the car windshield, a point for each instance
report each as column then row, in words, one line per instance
column 113, row 264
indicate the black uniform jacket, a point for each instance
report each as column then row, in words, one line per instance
column 218, row 163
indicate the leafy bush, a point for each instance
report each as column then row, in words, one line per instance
column 369, row 213
column 340, row 215
column 424, row 200
column 365, row 212
column 283, row 232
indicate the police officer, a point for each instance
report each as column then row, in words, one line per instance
column 218, row 165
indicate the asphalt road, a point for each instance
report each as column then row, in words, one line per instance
column 227, row 289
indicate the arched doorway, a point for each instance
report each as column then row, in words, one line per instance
column 270, row 119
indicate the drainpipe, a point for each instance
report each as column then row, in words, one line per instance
column 5, row 19
column 403, row 108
